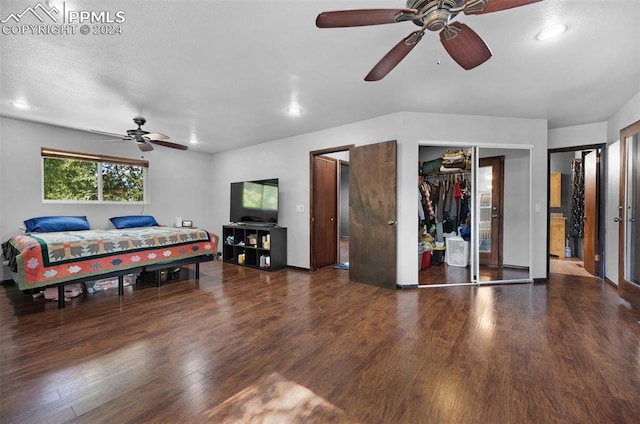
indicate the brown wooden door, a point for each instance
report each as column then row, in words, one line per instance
column 629, row 217
column 491, row 211
column 372, row 214
column 324, row 219
column 591, row 212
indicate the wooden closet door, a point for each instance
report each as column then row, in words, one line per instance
column 491, row 210
column 325, row 211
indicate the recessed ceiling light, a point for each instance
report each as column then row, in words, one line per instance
column 552, row 31
column 20, row 104
column 193, row 141
column 294, row 110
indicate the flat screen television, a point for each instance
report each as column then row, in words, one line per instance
column 255, row 202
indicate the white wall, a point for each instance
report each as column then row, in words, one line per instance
column 178, row 181
column 578, row 135
column 627, row 115
column 288, row 159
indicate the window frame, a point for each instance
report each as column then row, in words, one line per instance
column 46, row 152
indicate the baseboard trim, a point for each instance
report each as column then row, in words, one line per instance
column 611, row 282
column 539, row 280
column 520, row 267
column 406, row 286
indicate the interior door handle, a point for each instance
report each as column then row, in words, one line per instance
column 391, row 222
column 495, row 215
column 617, row 219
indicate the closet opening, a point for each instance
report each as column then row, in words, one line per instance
column 474, row 215
column 445, row 189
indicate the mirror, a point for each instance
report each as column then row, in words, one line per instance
column 629, row 215
column 503, row 211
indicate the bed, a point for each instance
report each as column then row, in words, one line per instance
column 48, row 259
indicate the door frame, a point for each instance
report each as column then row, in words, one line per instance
column 312, row 197
column 601, row 207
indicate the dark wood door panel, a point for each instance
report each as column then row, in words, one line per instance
column 372, row 214
column 494, row 256
column 325, row 211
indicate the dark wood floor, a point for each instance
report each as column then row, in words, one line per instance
column 562, row 352
column 445, row 274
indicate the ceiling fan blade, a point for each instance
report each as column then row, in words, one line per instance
column 108, row 134
column 363, row 17
column 144, row 146
column 464, row 45
column 156, row 136
column 169, row 144
column 472, row 7
column 394, row 56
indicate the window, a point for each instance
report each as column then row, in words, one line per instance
column 83, row 177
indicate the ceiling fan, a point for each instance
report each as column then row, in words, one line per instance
column 461, row 42
column 144, row 138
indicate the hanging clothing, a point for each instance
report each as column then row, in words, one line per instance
column 425, row 189
column 576, row 225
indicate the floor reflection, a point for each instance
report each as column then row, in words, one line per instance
column 445, row 274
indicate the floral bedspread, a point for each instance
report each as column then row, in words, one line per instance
column 43, row 259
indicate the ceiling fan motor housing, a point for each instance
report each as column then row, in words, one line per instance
column 138, row 132
column 433, row 17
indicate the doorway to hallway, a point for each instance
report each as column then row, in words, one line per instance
column 576, row 210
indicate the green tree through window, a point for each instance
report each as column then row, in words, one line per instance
column 122, row 183
column 70, row 179
column 95, row 180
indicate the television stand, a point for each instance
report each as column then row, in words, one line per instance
column 255, row 246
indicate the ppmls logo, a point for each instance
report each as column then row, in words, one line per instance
column 33, row 11
column 40, row 20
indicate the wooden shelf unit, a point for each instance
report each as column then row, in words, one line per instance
column 255, row 246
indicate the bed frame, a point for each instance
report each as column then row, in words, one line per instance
column 120, row 274
column 104, row 254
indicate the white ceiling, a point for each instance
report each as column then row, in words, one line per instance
column 225, row 71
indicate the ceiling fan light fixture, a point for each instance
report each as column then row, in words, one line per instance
column 551, row 32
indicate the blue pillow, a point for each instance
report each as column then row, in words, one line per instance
column 132, row 221
column 48, row 224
